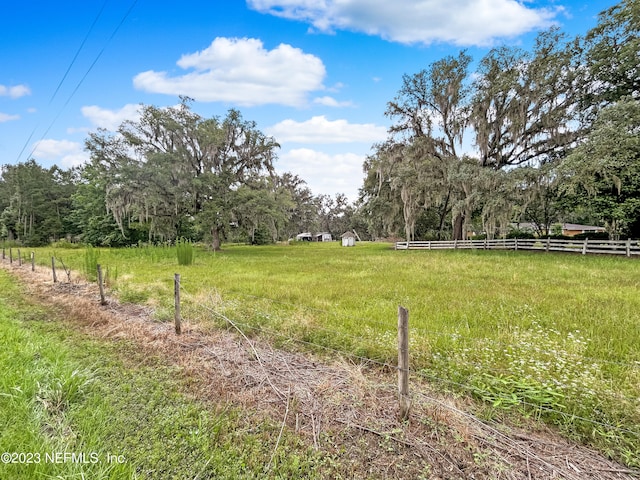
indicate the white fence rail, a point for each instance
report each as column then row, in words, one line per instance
column 628, row 248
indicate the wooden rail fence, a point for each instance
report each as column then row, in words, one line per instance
column 628, row 248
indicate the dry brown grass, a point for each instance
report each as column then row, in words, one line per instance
column 344, row 409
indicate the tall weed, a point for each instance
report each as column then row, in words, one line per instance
column 184, row 251
column 91, row 259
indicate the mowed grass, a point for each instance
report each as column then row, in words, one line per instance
column 76, row 407
column 551, row 335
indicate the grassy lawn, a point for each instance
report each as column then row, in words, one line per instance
column 72, row 407
column 556, row 336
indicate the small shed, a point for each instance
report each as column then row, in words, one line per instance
column 304, row 237
column 348, row 239
column 323, row 237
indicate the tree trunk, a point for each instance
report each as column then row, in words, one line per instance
column 443, row 214
column 458, row 223
column 215, row 233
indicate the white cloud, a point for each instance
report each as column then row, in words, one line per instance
column 16, row 91
column 243, row 72
column 320, row 130
column 460, row 22
column 325, row 173
column 63, row 152
column 111, row 119
column 331, row 102
column 5, row 117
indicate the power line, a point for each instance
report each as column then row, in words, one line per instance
column 75, row 57
column 113, row 34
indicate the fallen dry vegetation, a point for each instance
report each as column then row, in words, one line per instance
column 344, row 409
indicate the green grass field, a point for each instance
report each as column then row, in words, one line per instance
column 554, row 336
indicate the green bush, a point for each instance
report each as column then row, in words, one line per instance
column 261, row 236
column 515, row 233
column 65, row 244
column 592, row 236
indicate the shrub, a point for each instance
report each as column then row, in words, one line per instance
column 515, row 233
column 592, row 236
column 64, row 243
column 261, row 236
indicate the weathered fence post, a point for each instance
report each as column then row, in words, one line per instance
column 516, row 244
column 53, row 269
column 403, row 363
column 548, row 242
column 19, row 258
column 178, row 320
column 628, row 247
column 11, row 255
column 584, row 246
column 33, row 261
column 101, row 285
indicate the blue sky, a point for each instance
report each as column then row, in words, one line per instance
column 315, row 74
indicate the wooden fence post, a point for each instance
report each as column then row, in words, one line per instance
column 548, row 242
column 101, row 285
column 516, row 244
column 11, row 255
column 178, row 320
column 584, row 246
column 19, row 258
column 53, row 269
column 403, row 363
column 628, row 247
column 33, row 261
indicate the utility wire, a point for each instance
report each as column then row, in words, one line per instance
column 113, row 34
column 64, row 77
column 75, row 57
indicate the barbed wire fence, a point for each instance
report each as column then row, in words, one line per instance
column 419, row 373
column 409, row 395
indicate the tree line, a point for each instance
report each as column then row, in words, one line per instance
column 538, row 136
column 169, row 175
column 175, row 174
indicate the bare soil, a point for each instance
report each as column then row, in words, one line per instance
column 347, row 410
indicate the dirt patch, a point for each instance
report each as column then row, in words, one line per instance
column 347, row 410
